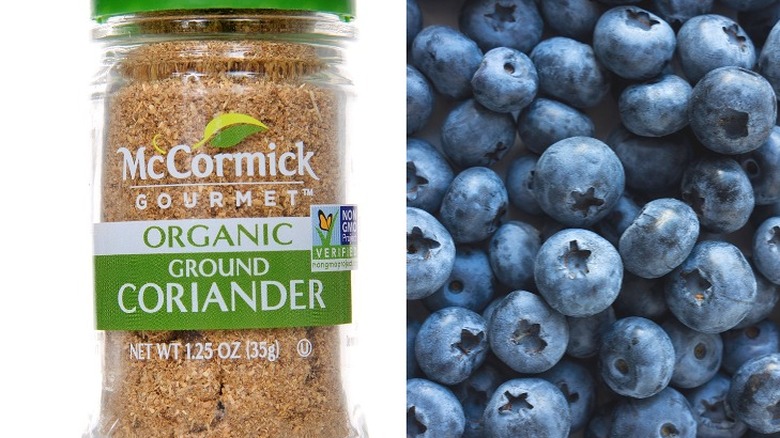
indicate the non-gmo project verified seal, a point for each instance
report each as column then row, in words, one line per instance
column 334, row 238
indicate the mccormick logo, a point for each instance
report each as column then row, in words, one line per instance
column 223, row 132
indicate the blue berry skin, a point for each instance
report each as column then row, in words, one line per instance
column 451, row 344
column 766, row 249
column 506, row 80
column 653, row 166
column 615, row 223
column 448, row 58
column 697, row 355
column 470, row 285
column 527, row 408
column 419, row 100
column 527, row 334
column 571, row 18
column 656, row 108
column 706, row 42
column 769, row 59
column 547, row 121
column 490, row 310
column 430, row 254
column 708, row 402
column 732, row 110
column 720, row 193
column 472, row 135
column 414, row 20
column 578, row 272
column 578, row 387
column 762, row 167
column 512, row 251
column 759, row 23
column 432, row 411
column 667, row 414
column 677, row 12
column 747, row 5
column 660, row 238
column 519, row 184
column 473, row 394
column 585, row 333
column 754, row 395
column 767, row 296
column 633, row 43
column 636, row 358
column 568, row 70
column 412, row 327
column 580, row 192
column 428, row 175
column 502, row 23
column 741, row 345
column 473, row 205
column 713, row 289
column 641, row 297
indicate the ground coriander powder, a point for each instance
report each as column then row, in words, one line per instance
column 223, row 243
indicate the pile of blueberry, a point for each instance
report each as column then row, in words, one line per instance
column 593, row 218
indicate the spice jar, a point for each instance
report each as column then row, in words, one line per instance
column 223, row 235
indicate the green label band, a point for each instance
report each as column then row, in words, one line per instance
column 218, row 290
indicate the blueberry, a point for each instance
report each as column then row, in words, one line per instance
column 585, row 333
column 769, row 59
column 741, row 345
column 653, row 166
column 412, row 327
column 472, row 135
column 430, row 254
column 636, row 358
column 414, row 20
column 578, row 192
column 713, row 289
column 656, row 108
column 513, row 250
column 427, row 175
column 527, row 334
column 502, row 23
column 747, row 5
column 527, row 408
column 719, row 192
column 762, row 167
column 709, row 403
column 432, row 411
column 707, row 42
column 666, row 414
column 451, row 344
column 659, row 239
column 616, row 222
column 633, row 43
column 577, row 386
column 519, row 184
column 754, row 395
column 677, row 12
column 568, row 70
column 506, row 81
column 419, row 100
column 697, row 355
column 470, row 284
column 490, row 310
column 578, row 272
column 473, row 205
column 548, row 121
column 641, row 297
column 473, row 394
column 448, row 58
column 732, row 110
column 571, row 18
column 767, row 297
column 766, row 249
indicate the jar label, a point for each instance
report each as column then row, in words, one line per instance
column 226, row 273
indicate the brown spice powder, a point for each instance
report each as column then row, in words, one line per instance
column 170, row 96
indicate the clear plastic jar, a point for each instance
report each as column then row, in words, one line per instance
column 223, row 237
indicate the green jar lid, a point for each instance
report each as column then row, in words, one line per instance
column 103, row 9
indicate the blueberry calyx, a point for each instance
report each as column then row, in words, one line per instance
column 735, row 37
column 519, row 402
column 576, row 260
column 527, row 335
column 413, row 181
column 502, row 14
column 571, row 397
column 640, row 19
column 496, row 154
column 416, row 243
column 775, row 237
column 734, row 123
column 413, row 425
column 669, row 430
column 469, row 341
column 697, row 284
column 584, row 201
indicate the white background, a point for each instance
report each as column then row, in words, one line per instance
column 48, row 349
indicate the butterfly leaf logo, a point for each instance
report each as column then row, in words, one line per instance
column 326, row 225
column 228, row 130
